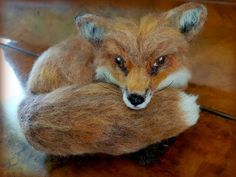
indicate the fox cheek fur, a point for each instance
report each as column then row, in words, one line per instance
column 166, row 34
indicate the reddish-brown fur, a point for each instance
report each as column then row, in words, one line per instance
column 66, row 113
column 92, row 119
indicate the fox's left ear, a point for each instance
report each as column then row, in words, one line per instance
column 91, row 27
column 189, row 18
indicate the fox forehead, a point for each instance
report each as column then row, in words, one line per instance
column 140, row 41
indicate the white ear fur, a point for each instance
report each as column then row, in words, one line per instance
column 92, row 32
column 90, row 28
column 190, row 19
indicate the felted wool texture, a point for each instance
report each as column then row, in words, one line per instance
column 93, row 119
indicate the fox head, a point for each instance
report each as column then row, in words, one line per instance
column 143, row 57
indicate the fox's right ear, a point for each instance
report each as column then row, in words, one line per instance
column 92, row 27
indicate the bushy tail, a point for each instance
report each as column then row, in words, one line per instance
column 94, row 119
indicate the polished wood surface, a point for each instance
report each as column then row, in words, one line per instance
column 36, row 25
column 207, row 150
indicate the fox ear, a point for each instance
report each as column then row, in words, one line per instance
column 91, row 27
column 189, row 18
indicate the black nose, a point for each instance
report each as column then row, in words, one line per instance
column 136, row 99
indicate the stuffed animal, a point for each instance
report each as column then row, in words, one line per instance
column 114, row 88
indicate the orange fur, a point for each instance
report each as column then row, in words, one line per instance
column 138, row 80
column 93, row 119
column 139, row 44
column 65, row 102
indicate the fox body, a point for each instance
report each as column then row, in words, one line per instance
column 146, row 60
column 141, row 58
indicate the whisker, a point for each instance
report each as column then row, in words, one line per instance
column 168, row 86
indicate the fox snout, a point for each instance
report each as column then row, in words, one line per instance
column 137, row 95
column 136, row 100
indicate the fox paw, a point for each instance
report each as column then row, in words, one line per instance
column 152, row 153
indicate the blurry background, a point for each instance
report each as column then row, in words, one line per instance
column 28, row 27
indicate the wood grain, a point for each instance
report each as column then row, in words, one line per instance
column 211, row 56
column 208, row 149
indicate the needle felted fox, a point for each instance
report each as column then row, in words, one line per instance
column 69, row 111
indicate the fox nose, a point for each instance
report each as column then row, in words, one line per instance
column 136, row 99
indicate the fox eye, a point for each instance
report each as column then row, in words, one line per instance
column 121, row 63
column 160, row 61
column 119, row 60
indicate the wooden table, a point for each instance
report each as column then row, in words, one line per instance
column 206, row 150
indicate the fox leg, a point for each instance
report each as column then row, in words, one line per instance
column 152, row 153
